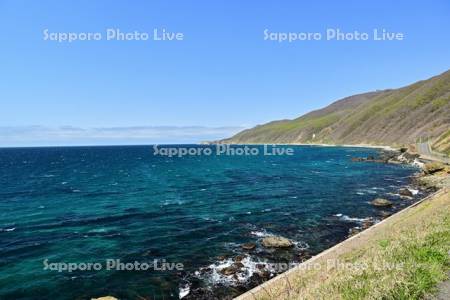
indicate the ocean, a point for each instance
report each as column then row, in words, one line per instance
column 84, row 222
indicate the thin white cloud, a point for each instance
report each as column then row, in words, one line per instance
column 69, row 135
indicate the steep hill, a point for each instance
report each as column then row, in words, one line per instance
column 390, row 117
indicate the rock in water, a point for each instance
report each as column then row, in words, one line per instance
column 380, row 202
column 229, row 270
column 105, row 298
column 405, row 192
column 433, row 167
column 239, row 258
column 248, row 246
column 276, row 242
column 385, row 214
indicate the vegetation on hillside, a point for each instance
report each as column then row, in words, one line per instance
column 391, row 117
column 442, row 143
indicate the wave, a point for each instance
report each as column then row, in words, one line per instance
column 346, row 218
column 262, row 233
column 214, row 273
column 184, row 290
column 7, row 229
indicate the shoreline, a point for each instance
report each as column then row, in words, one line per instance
column 336, row 248
column 283, row 282
column 384, row 147
column 412, row 187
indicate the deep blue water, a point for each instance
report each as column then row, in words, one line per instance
column 89, row 204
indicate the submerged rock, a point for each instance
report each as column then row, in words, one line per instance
column 354, row 231
column 276, row 242
column 367, row 223
column 357, row 159
column 105, row 298
column 384, row 213
column 248, row 246
column 304, row 255
column 380, row 202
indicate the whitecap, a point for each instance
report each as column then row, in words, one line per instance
column 413, row 191
column 393, row 194
column 350, row 219
column 417, row 163
column 215, row 276
column 184, row 291
column 98, row 230
column 261, row 233
column 8, row 229
column 300, row 245
column 249, row 267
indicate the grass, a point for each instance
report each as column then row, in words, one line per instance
column 442, row 144
column 405, row 257
column 389, row 117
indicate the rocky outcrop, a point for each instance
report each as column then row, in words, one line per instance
column 276, row 242
column 433, row 167
column 397, row 157
column 433, row 182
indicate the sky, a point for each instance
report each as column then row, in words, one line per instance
column 223, row 75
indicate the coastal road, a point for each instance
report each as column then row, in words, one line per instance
column 424, row 149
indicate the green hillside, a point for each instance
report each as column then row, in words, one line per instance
column 389, row 117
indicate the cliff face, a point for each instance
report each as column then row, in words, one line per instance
column 390, row 117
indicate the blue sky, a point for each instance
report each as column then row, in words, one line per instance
column 222, row 77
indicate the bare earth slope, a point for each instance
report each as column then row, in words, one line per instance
column 390, row 117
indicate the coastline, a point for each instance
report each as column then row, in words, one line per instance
column 277, row 286
column 384, row 157
column 384, row 147
column 282, row 286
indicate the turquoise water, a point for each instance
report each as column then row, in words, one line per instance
column 89, row 204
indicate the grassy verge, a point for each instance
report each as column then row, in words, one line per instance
column 402, row 258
